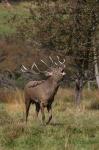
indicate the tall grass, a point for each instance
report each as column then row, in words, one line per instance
column 72, row 128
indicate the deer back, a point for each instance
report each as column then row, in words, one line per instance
column 43, row 91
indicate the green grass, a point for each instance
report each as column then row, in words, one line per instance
column 71, row 128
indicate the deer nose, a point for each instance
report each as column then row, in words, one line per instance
column 63, row 73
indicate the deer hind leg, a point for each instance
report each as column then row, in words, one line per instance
column 42, row 112
column 49, row 109
column 27, row 104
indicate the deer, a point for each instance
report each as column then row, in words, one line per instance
column 41, row 93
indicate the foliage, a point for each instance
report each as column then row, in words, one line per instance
column 84, row 27
column 47, row 26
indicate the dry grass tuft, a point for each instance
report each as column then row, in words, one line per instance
column 14, row 100
column 11, row 96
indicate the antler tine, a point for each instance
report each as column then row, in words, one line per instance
column 24, row 67
column 63, row 61
column 60, row 61
column 32, row 66
column 22, row 70
column 44, row 63
column 55, row 63
column 51, row 59
column 36, row 67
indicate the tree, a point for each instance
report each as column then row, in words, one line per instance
column 83, row 46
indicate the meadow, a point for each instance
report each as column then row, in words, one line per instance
column 72, row 127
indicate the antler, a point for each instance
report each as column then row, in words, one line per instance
column 34, row 65
column 25, row 70
column 52, row 61
column 60, row 61
column 44, row 63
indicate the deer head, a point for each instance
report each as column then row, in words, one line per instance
column 56, row 70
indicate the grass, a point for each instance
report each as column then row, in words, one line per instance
column 72, row 128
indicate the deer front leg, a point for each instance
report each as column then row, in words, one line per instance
column 37, row 109
column 42, row 112
column 27, row 105
column 49, row 109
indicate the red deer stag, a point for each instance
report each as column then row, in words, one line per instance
column 41, row 93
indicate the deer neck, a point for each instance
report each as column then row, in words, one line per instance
column 53, row 82
column 53, row 86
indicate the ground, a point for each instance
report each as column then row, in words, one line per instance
column 72, row 128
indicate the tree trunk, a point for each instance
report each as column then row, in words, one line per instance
column 96, row 67
column 78, row 94
column 78, row 91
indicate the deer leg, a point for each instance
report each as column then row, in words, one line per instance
column 27, row 104
column 37, row 109
column 42, row 112
column 49, row 109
